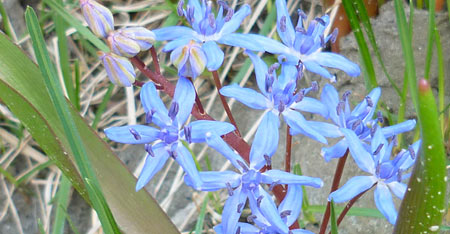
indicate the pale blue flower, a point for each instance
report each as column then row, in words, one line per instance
column 167, row 139
column 247, row 183
column 386, row 173
column 130, row 41
column 119, row 69
column 98, row 17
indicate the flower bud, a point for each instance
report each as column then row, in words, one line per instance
column 189, row 59
column 98, row 17
column 119, row 69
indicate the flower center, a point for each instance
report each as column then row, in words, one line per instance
column 251, row 179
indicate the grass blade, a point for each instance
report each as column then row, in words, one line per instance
column 431, row 27
column 74, row 138
column 5, row 19
column 441, row 79
column 102, row 106
column 62, row 202
column 201, row 216
column 334, row 227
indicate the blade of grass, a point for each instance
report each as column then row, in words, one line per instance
column 6, row 22
column 36, row 169
column 62, row 202
column 431, row 28
column 334, row 227
column 72, row 21
column 441, row 79
column 370, row 79
column 41, row 227
column 76, row 68
column 201, row 216
column 102, row 106
column 8, row 176
column 76, row 145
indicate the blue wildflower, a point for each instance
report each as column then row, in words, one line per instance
column 360, row 120
column 303, row 45
column 288, row 210
column 278, row 95
column 98, row 17
column 386, row 173
column 207, row 29
column 119, row 69
column 247, row 183
column 168, row 138
column 130, row 41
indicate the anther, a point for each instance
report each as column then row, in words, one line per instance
column 300, row 30
column 411, row 152
column 380, row 146
column 399, row 175
column 173, row 154
column 229, row 189
column 334, row 35
column 322, row 41
column 394, row 140
column 283, row 23
column 212, row 20
column 340, row 107
column 251, row 218
column 188, row 133
column 321, row 21
column 314, row 86
column 239, row 207
column 380, row 117
column 369, row 101
column 377, row 169
column 273, row 67
column 268, row 160
column 300, row 95
column 269, row 83
column 190, row 14
column 244, row 167
column 346, row 95
column 173, row 111
column 230, row 13
column 285, row 213
column 356, row 124
column 301, row 14
column 135, row 134
column 148, row 149
column 238, row 230
column 258, row 201
column 281, row 107
column 148, row 116
column 180, row 8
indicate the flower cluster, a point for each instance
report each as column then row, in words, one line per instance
column 165, row 132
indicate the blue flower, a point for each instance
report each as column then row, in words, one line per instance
column 98, row 17
column 288, row 210
column 247, row 184
column 278, row 95
column 303, row 45
column 208, row 30
column 387, row 174
column 130, row 41
column 119, row 69
column 360, row 120
column 168, row 138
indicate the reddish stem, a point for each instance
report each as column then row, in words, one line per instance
column 287, row 159
column 197, row 99
column 155, row 60
column 334, row 187
column 224, row 102
column 138, row 83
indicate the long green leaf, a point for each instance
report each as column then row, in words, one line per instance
column 62, row 201
column 334, row 227
column 431, row 27
column 23, row 90
column 423, row 206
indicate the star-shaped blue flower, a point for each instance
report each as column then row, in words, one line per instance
column 168, row 139
column 247, row 183
column 386, row 173
column 360, row 120
column 208, row 30
column 278, row 95
column 303, row 45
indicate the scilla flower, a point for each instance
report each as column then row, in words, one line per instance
column 98, row 17
column 128, row 42
column 168, row 139
column 247, row 184
column 119, row 69
column 190, row 59
column 207, row 30
column 387, row 174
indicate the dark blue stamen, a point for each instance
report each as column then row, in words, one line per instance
column 380, row 146
column 269, row 83
column 340, row 107
column 268, row 160
column 320, row 20
column 283, row 24
column 148, row 116
column 251, row 218
column 244, row 167
column 411, row 152
column 188, row 133
column 180, row 8
column 380, row 117
column 239, row 207
column 356, row 124
column 258, row 201
column 285, row 213
column 273, row 67
column 399, row 175
column 230, row 13
column 173, row 111
column 334, row 35
column 229, row 189
column 369, row 101
column 135, row 134
column 212, row 20
column 346, row 95
column 238, row 230
column 300, row 95
column 148, row 149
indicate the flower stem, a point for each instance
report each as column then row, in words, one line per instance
column 287, row 159
column 155, row 60
column 334, row 187
column 224, row 102
column 197, row 99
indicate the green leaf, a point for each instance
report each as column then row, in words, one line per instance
column 431, row 27
column 423, row 206
column 62, row 202
column 201, row 217
column 334, row 226
column 23, row 91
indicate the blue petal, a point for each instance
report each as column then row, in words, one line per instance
column 288, row 74
column 301, row 231
column 215, row 180
column 314, row 67
column 172, row 32
column 360, row 155
column 377, row 140
column 200, row 128
column 198, row 11
column 260, row 71
column 240, row 40
column 282, row 177
column 288, row 35
column 214, row 55
column 293, row 202
column 179, row 42
column 236, row 20
column 230, row 214
column 152, row 165
column 384, row 202
column 265, row 141
column 267, row 44
column 299, row 124
column 151, row 102
column 185, row 160
column 336, row 151
column 398, row 188
column 352, row 188
column 405, row 126
column 217, row 143
column 337, row 61
column 184, row 96
column 247, row 228
column 330, row 98
column 246, row 96
column 325, row 129
column 142, row 134
column 268, row 209
column 362, row 106
column 410, row 161
column 311, row 105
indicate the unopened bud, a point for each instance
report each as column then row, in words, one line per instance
column 119, row 69
column 98, row 17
